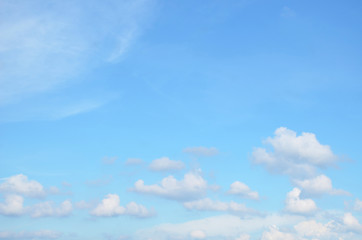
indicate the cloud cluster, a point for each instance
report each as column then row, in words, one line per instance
column 166, row 164
column 16, row 187
column 13, row 206
column 242, row 190
column 192, row 186
column 110, row 207
column 294, row 155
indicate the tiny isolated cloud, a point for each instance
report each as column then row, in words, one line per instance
column 20, row 184
column 207, row 204
column 318, row 186
column 294, row 204
column 166, row 164
column 296, row 156
column 109, row 160
column 242, row 190
column 201, row 151
column 110, row 207
column 134, row 161
column 42, row 234
column 197, row 234
column 192, row 186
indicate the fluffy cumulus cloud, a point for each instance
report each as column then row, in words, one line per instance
column 318, row 186
column 207, row 204
column 201, row 151
column 242, row 190
column 12, row 206
column 352, row 223
column 192, row 186
column 110, row 207
column 294, row 155
column 48, row 209
column 166, row 164
column 294, row 204
column 42, row 234
column 314, row 229
column 20, row 184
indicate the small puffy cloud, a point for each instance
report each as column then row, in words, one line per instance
column 201, row 151
column 294, row 155
column 192, row 186
column 109, row 160
column 13, row 205
column 166, row 164
column 134, row 161
column 318, row 186
column 20, row 184
column 242, row 190
column 197, row 234
column 110, row 207
column 294, row 204
column 48, row 209
column 287, row 12
column 207, row 204
column 357, row 205
column 43, row 234
column 351, row 223
column 275, row 234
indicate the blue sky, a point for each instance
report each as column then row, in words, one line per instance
column 147, row 119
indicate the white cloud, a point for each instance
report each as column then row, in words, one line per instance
column 318, row 186
column 275, row 234
column 43, row 234
column 217, row 227
column 242, row 190
column 47, row 209
column 314, row 229
column 351, row 223
column 207, row 204
column 19, row 184
column 13, row 205
column 110, row 207
column 165, row 164
column 294, row 204
column 191, row 187
column 294, row 155
column 201, row 151
column 197, row 234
